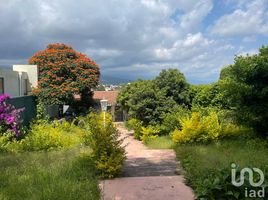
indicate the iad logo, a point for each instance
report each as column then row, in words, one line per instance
column 250, row 172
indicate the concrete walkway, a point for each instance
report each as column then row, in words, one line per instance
column 146, row 175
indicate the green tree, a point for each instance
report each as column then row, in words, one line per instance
column 63, row 72
column 145, row 102
column 245, row 85
column 174, row 85
column 225, row 72
column 209, row 95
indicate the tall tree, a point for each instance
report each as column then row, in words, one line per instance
column 143, row 101
column 245, row 84
column 209, row 96
column 174, row 85
column 63, row 72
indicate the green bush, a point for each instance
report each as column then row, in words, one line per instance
column 5, row 140
column 198, row 129
column 108, row 153
column 136, row 126
column 10, row 144
column 205, row 128
column 230, row 130
column 172, row 121
column 149, row 133
column 47, row 136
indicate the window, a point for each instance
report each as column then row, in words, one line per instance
column 25, row 92
column 2, row 89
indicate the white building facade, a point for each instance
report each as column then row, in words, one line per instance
column 19, row 81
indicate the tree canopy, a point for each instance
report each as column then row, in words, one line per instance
column 63, row 72
column 150, row 100
column 209, row 95
column 245, row 84
column 143, row 101
column 173, row 84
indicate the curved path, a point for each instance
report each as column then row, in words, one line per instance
column 147, row 175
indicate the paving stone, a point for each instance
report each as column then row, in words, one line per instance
column 147, row 174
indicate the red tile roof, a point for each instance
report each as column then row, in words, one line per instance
column 109, row 95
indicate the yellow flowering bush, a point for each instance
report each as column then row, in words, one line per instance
column 149, row 132
column 48, row 136
column 108, row 152
column 136, row 126
column 198, row 128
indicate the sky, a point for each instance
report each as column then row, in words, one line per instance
column 133, row 39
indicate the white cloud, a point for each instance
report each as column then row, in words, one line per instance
column 185, row 48
column 130, row 38
column 192, row 19
column 243, row 52
column 253, row 19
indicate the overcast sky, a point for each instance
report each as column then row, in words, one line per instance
column 137, row 38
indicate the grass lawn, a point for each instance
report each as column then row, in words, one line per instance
column 59, row 175
column 202, row 163
column 245, row 153
column 161, row 142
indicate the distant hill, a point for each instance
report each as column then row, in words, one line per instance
column 113, row 80
column 5, row 67
column 104, row 79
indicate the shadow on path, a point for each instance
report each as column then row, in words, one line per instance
column 147, row 174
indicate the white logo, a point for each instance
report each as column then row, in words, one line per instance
column 250, row 174
column 253, row 193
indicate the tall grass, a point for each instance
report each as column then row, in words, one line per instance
column 245, row 153
column 208, row 167
column 161, row 142
column 65, row 174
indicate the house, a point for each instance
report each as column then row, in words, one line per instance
column 19, row 81
column 113, row 107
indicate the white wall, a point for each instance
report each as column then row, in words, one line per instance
column 15, row 81
column 32, row 72
column 11, row 82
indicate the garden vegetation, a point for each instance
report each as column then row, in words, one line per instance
column 211, row 126
column 57, row 159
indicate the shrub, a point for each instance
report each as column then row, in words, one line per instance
column 9, row 117
column 136, row 125
column 231, row 130
column 47, row 136
column 206, row 128
column 107, row 151
column 41, row 116
column 198, row 129
column 149, row 132
column 172, row 121
column 4, row 141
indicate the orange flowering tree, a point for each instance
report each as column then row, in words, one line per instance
column 64, row 72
